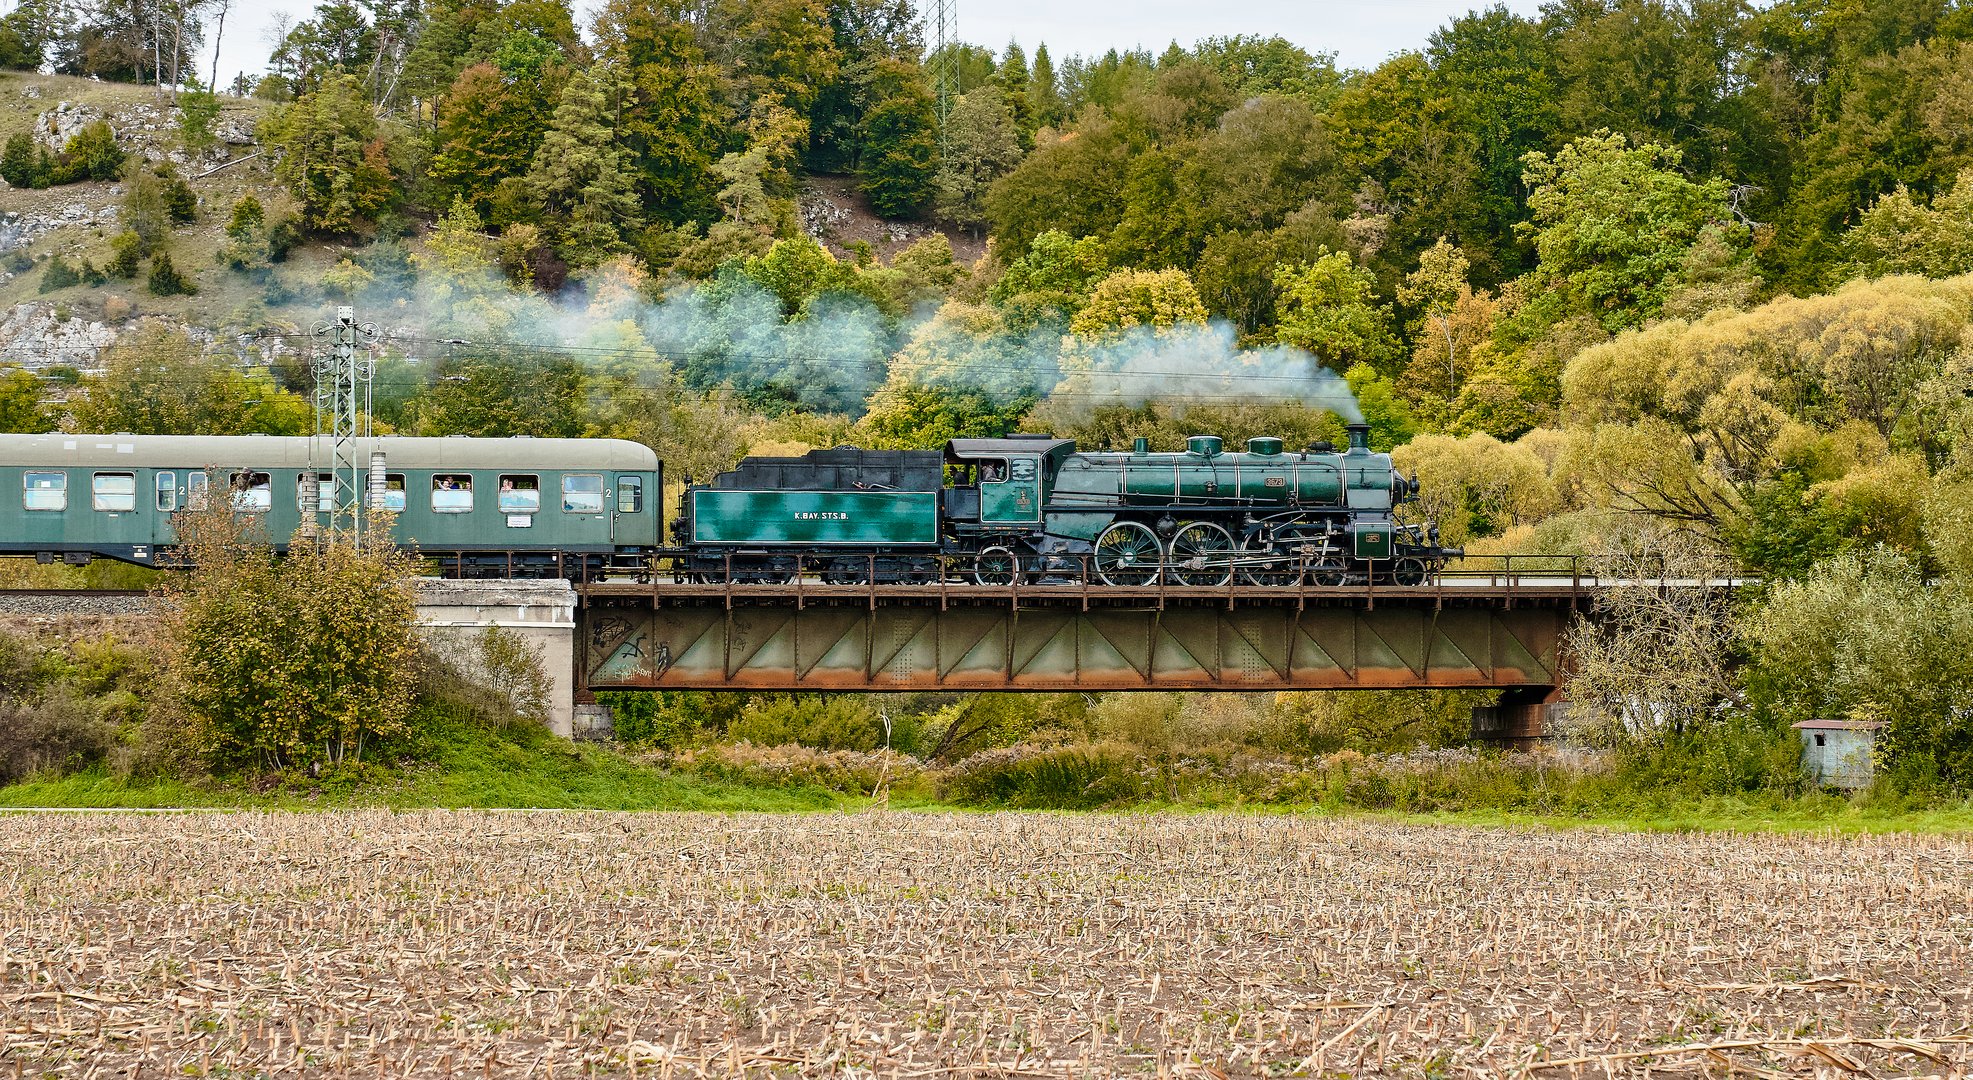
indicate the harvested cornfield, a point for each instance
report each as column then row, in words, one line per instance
column 471, row 944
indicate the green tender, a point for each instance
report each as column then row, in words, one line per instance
column 823, row 518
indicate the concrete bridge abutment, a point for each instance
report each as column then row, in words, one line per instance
column 453, row 616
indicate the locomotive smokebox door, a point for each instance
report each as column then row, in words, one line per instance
column 1373, row 539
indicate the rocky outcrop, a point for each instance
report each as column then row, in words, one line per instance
column 34, row 336
column 149, row 129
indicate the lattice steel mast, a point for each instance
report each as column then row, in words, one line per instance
column 343, row 389
column 945, row 77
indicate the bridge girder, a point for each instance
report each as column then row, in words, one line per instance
column 917, row 645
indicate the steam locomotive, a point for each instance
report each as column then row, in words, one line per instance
column 1033, row 508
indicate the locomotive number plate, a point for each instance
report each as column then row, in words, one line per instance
column 1277, row 481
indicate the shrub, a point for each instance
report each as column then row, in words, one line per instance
column 852, row 772
column 59, row 275
column 55, row 734
column 24, row 163
column 179, row 202
column 288, row 662
column 126, row 252
column 166, row 280
column 827, row 721
column 90, row 154
column 510, row 669
column 1078, row 777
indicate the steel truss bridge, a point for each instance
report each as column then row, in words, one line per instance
column 1499, row 627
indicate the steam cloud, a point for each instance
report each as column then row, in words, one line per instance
column 830, row 358
column 1205, row 365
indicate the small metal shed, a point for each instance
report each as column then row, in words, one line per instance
column 1839, row 752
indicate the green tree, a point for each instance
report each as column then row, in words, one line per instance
column 145, row 211
column 1434, row 290
column 1494, row 68
column 1264, row 161
column 1011, row 81
column 248, row 246
column 671, row 119
column 758, row 191
column 20, row 402
column 1252, row 65
column 1052, row 280
column 127, row 250
column 981, row 145
column 1612, row 224
column 1900, row 235
column 1074, row 185
column 198, row 107
column 899, row 163
column 783, row 51
column 1329, row 308
column 157, row 382
column 166, row 280
column 1044, row 92
column 487, row 395
column 1125, row 299
column 867, row 34
column 334, row 156
column 489, row 129
column 582, row 176
column 961, row 375
column 1867, row 637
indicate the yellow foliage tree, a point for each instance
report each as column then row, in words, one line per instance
column 286, row 662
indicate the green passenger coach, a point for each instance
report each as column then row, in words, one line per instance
column 483, row 504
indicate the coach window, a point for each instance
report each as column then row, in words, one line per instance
column 45, row 491
column 325, row 492
column 195, row 491
column 113, row 492
column 452, row 493
column 394, row 493
column 167, row 491
column 520, row 494
column 582, row 493
column 630, row 494
column 253, row 492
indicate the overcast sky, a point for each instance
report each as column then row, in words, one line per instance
column 1359, row 32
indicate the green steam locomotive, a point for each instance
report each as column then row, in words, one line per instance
column 1033, row 508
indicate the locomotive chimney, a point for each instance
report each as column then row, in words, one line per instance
column 1359, row 438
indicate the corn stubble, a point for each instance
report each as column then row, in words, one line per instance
column 464, row 944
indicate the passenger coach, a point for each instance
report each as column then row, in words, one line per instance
column 481, row 504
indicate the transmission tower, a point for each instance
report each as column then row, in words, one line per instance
column 343, row 382
column 945, row 76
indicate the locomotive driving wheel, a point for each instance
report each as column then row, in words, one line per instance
column 1127, row 554
column 995, row 566
column 1201, row 554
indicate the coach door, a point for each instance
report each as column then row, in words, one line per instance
column 628, row 502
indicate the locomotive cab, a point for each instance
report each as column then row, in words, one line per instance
column 1003, row 484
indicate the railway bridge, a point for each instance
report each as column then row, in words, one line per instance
column 1502, row 627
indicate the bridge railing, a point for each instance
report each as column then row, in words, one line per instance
column 1235, row 573
column 1057, row 577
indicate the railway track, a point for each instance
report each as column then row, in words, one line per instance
column 72, row 601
